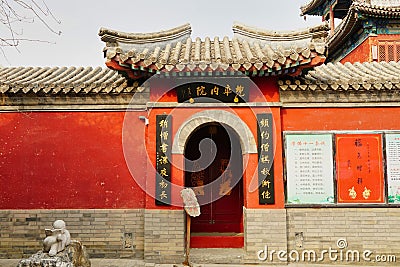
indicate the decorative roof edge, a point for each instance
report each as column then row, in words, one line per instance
column 376, row 10
column 108, row 35
column 348, row 23
column 310, row 5
column 315, row 32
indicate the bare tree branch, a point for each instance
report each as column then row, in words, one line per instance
column 14, row 13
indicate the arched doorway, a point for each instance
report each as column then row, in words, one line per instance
column 214, row 165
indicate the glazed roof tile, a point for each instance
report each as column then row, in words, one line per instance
column 347, row 76
column 250, row 50
column 63, row 80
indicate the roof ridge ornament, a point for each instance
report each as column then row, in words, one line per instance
column 175, row 34
column 316, row 33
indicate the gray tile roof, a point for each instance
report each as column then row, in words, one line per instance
column 381, row 11
column 251, row 50
column 63, row 80
column 353, row 21
column 348, row 76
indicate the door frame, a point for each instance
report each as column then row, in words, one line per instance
column 239, row 192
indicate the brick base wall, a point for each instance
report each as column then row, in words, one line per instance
column 111, row 233
column 375, row 229
column 165, row 236
column 264, row 227
column 158, row 235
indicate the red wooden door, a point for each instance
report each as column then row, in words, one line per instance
column 216, row 170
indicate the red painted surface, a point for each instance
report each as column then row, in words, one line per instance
column 216, row 241
column 75, row 160
column 67, row 160
column 362, row 53
column 359, row 168
column 320, row 119
column 268, row 88
column 247, row 115
column 264, row 90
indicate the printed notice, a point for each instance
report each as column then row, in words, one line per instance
column 309, row 169
column 393, row 167
column 359, row 168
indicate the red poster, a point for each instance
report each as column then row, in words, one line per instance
column 359, row 168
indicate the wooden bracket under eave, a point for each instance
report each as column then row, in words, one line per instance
column 316, row 61
column 129, row 72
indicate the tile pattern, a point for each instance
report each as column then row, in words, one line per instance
column 347, row 76
column 63, row 80
column 352, row 22
column 251, row 50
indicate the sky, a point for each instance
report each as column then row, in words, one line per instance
column 80, row 21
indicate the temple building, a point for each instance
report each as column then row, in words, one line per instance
column 369, row 30
column 290, row 141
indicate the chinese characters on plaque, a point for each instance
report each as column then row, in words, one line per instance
column 234, row 90
column 163, row 157
column 309, row 169
column 266, row 186
column 359, row 168
column 393, row 167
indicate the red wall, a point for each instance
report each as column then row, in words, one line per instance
column 247, row 115
column 61, row 160
column 361, row 53
column 267, row 91
column 75, row 160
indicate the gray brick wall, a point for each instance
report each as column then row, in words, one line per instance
column 375, row 229
column 165, row 233
column 158, row 235
column 264, row 227
column 109, row 233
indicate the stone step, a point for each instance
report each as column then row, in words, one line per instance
column 216, row 255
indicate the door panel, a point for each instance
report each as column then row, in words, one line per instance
column 224, row 214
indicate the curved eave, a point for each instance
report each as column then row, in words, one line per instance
column 351, row 23
column 293, row 68
column 345, row 28
column 311, row 8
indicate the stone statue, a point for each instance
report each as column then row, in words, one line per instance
column 58, row 250
column 56, row 239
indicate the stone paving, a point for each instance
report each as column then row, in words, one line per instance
column 139, row 263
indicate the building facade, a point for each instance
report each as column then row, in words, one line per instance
column 289, row 155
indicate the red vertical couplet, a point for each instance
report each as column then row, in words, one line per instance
column 359, row 168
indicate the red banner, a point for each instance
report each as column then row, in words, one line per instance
column 359, row 168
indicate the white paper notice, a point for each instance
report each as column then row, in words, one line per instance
column 309, row 169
